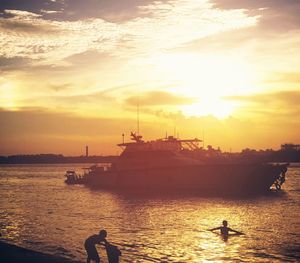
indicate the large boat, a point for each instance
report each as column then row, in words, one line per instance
column 172, row 165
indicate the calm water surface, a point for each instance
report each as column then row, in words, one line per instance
column 38, row 211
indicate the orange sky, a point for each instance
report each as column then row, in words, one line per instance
column 72, row 73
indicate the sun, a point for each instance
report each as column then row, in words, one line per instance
column 215, row 107
column 209, row 79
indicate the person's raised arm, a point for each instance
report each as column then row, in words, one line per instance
column 103, row 242
column 106, row 243
column 213, row 229
column 235, row 231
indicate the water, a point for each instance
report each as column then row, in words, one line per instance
column 38, row 211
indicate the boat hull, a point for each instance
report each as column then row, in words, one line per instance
column 217, row 179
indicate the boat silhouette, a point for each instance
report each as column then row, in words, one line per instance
column 167, row 165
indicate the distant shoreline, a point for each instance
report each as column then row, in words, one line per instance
column 289, row 155
column 14, row 254
column 54, row 159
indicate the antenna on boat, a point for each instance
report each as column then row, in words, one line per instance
column 123, row 137
column 138, row 116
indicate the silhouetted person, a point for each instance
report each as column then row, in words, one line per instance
column 113, row 253
column 225, row 230
column 90, row 246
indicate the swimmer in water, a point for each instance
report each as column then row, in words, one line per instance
column 225, row 230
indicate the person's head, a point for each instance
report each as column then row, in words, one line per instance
column 102, row 233
column 225, row 223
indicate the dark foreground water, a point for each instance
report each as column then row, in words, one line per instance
column 38, row 211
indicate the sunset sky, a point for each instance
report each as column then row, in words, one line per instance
column 73, row 71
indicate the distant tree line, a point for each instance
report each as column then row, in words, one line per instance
column 54, row 158
column 288, row 153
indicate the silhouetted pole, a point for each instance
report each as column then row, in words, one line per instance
column 86, row 151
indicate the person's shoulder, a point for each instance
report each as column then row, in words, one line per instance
column 93, row 237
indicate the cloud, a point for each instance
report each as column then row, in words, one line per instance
column 34, row 121
column 155, row 98
column 13, row 63
column 65, row 95
column 156, row 32
column 276, row 15
column 66, row 38
column 72, row 10
column 30, row 6
column 287, row 77
column 89, row 58
column 290, row 97
column 282, row 106
column 255, row 4
column 26, row 27
column 60, row 87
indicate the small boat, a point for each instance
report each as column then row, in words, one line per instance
column 73, row 178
